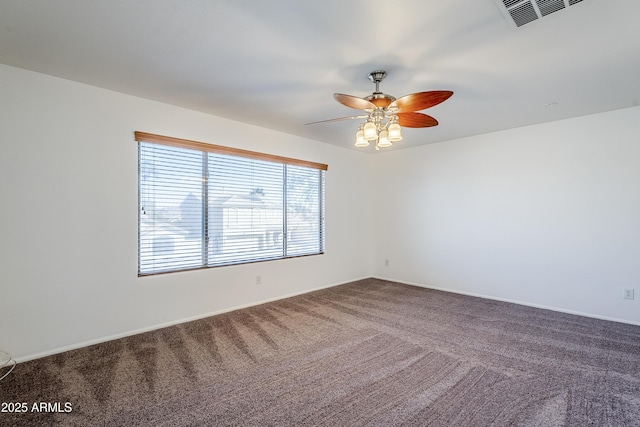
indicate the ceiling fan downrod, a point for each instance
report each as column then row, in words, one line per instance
column 381, row 100
column 376, row 77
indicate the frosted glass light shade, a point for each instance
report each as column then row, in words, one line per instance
column 383, row 139
column 360, row 141
column 395, row 132
column 370, row 131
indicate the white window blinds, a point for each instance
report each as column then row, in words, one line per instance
column 203, row 205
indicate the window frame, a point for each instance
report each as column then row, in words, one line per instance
column 144, row 137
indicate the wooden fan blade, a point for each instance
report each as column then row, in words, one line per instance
column 353, row 101
column 337, row 120
column 420, row 101
column 416, row 120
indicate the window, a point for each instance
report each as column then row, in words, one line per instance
column 203, row 205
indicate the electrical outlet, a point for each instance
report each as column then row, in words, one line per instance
column 628, row 293
column 258, row 280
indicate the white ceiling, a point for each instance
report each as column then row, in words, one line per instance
column 277, row 63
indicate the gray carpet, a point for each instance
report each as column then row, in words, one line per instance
column 370, row 353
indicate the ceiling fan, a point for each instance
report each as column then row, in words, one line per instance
column 386, row 115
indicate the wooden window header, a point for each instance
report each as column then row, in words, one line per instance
column 211, row 148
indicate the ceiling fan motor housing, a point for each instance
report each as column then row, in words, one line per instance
column 380, row 99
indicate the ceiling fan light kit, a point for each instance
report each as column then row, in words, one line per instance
column 386, row 115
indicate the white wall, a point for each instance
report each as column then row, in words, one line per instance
column 68, row 217
column 547, row 215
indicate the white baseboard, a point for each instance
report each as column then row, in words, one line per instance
column 172, row 323
column 226, row 310
column 527, row 304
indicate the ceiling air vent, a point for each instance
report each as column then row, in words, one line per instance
column 521, row 12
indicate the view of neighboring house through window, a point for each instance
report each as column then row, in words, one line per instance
column 203, row 205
